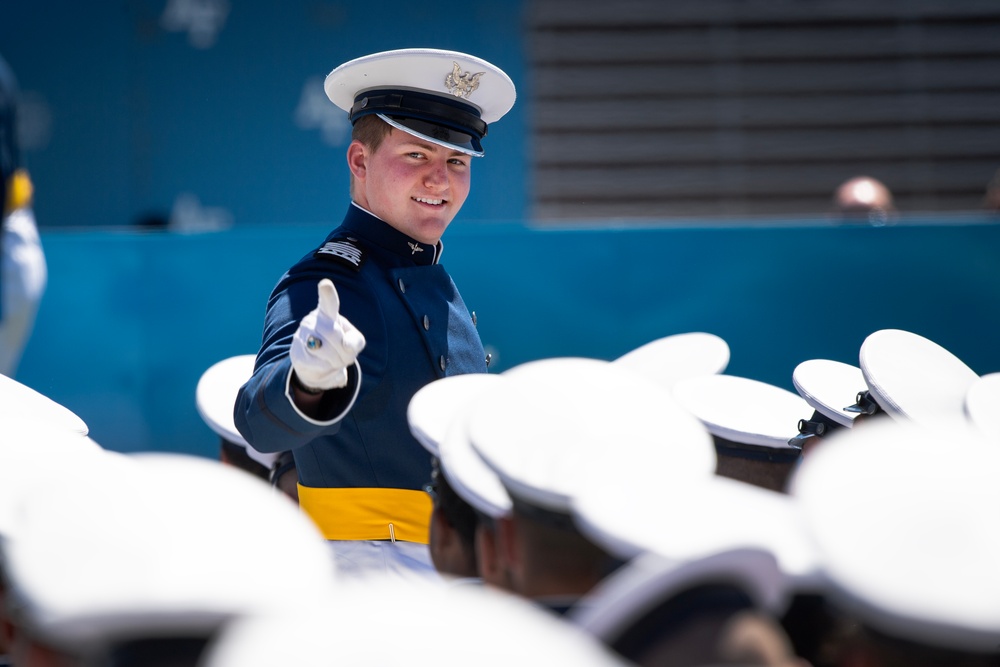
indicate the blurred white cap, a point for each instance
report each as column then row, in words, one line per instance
column 39, row 456
column 685, row 522
column 412, row 622
column 146, row 545
column 671, row 358
column 903, row 516
column 438, row 417
column 215, row 398
column 20, row 403
column 536, row 429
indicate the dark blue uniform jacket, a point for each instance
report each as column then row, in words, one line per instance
column 417, row 329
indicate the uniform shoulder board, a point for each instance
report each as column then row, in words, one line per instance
column 346, row 251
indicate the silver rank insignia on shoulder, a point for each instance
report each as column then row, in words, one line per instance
column 344, row 251
column 415, row 247
column 461, row 84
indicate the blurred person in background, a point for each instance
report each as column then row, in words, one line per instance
column 864, row 199
column 23, row 273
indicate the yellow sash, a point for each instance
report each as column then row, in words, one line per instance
column 369, row 514
column 19, row 191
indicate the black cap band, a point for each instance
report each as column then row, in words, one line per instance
column 452, row 114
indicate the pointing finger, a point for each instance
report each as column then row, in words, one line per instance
column 329, row 300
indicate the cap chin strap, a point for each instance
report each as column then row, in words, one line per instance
column 443, row 144
column 864, row 404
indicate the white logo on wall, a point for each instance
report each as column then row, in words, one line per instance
column 189, row 216
column 316, row 111
column 201, row 19
column 34, row 121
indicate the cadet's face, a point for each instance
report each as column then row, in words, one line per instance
column 414, row 185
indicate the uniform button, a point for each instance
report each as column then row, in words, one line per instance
column 475, row 320
column 442, row 362
column 427, row 323
column 402, row 287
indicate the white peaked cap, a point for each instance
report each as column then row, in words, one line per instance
column 215, row 398
column 152, row 544
column 21, row 403
column 445, row 97
column 438, row 404
column 903, row 516
column 743, row 410
column 536, row 429
column 39, row 457
column 671, row 358
column 470, row 477
column 829, row 386
column 425, row 70
column 409, row 621
column 438, row 416
column 912, row 377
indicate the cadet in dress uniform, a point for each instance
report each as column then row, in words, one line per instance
column 23, row 271
column 332, row 381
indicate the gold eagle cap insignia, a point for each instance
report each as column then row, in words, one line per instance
column 461, row 84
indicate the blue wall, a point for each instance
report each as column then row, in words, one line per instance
column 130, row 320
column 128, row 114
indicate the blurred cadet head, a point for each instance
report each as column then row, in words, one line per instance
column 39, row 451
column 899, row 512
column 384, row 621
column 537, row 428
column 165, row 547
column 436, row 413
column 991, row 200
column 712, row 610
column 9, row 156
column 864, row 199
column 215, row 398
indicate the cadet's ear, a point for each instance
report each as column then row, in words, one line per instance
column 357, row 159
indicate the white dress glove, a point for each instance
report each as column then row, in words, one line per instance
column 325, row 344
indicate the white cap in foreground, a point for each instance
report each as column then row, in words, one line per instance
column 903, row 517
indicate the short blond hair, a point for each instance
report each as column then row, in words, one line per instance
column 369, row 130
